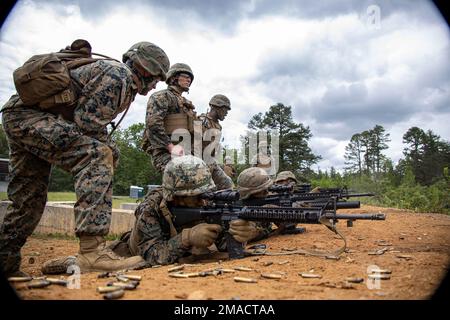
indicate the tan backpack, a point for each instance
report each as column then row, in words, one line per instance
column 44, row 80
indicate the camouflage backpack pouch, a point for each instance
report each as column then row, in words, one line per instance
column 44, row 80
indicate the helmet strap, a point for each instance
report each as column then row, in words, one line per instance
column 213, row 113
column 136, row 75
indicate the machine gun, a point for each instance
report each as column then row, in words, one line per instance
column 284, row 196
column 230, row 197
column 227, row 197
column 287, row 195
column 222, row 213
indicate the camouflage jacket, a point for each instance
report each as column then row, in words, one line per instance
column 229, row 170
column 107, row 90
column 161, row 104
column 209, row 123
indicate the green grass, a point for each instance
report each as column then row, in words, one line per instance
column 70, row 196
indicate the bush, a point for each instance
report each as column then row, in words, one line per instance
column 408, row 195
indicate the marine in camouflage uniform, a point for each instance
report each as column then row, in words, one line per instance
column 39, row 139
column 154, row 235
column 228, row 167
column 289, row 178
column 212, row 130
column 286, row 178
column 254, row 183
column 163, row 106
column 220, row 105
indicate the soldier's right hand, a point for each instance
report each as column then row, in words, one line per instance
column 202, row 235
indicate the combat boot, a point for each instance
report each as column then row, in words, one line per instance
column 95, row 256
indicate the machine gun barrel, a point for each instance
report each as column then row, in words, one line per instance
column 359, row 216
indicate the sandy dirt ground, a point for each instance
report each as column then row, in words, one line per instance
column 415, row 247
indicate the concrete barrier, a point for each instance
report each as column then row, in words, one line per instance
column 128, row 206
column 59, row 218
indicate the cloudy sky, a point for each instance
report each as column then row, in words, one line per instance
column 343, row 66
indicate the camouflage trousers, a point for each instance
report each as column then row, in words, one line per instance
column 38, row 140
column 161, row 157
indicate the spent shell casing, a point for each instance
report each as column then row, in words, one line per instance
column 354, row 280
column 114, row 295
column 310, row 275
column 38, row 284
column 177, row 268
column 59, row 282
column 246, row 280
column 379, row 276
column 121, row 278
column 347, row 285
column 224, row 270
column 242, row 269
column 271, row 276
column 19, row 279
column 108, row 289
column 125, row 286
column 383, row 271
column 178, row 275
column 132, row 277
column 192, row 274
column 404, row 256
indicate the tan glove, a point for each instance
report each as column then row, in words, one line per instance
column 243, row 230
column 202, row 235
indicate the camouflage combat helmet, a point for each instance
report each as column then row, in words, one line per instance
column 150, row 57
column 186, row 176
column 251, row 181
column 284, row 175
column 177, row 68
column 220, row 101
